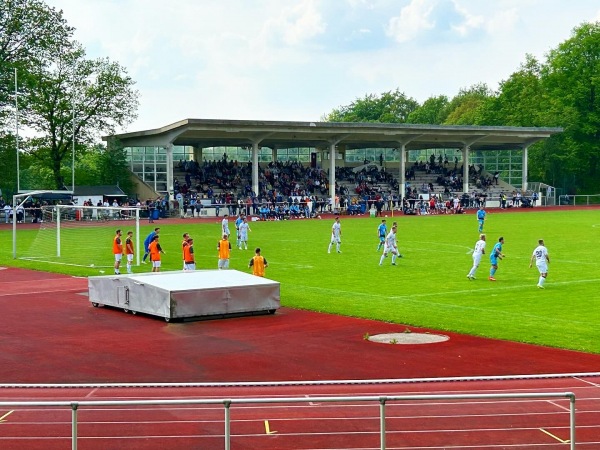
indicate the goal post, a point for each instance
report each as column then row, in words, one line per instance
column 19, row 200
column 75, row 235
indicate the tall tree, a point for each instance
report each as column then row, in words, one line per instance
column 62, row 94
column 30, row 35
column 76, row 98
column 389, row 107
column 430, row 112
column 520, row 100
column 571, row 77
column 467, row 106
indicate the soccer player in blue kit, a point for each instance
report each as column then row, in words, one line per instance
column 481, row 218
column 495, row 255
column 382, row 233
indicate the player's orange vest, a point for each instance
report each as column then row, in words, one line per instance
column 154, row 251
column 188, row 254
column 117, row 245
column 258, row 266
column 128, row 246
column 224, row 249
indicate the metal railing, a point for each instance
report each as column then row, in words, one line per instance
column 228, row 403
column 578, row 200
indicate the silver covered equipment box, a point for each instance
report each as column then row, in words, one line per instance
column 187, row 295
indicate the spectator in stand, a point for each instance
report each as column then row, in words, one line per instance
column 7, row 212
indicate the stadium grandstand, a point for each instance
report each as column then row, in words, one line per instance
column 201, row 165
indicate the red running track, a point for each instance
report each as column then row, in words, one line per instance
column 51, row 334
column 410, row 424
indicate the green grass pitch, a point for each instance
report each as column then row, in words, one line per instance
column 427, row 288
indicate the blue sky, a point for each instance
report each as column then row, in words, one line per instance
column 299, row 59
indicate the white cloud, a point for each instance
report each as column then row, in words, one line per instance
column 298, row 23
column 413, row 19
column 471, row 21
column 299, row 59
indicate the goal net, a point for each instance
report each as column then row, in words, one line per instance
column 76, row 235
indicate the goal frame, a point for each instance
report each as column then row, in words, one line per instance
column 80, row 209
column 16, row 204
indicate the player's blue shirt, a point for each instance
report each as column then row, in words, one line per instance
column 149, row 239
column 496, row 251
column 238, row 221
column 481, row 214
column 382, row 230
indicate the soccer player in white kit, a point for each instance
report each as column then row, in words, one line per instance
column 336, row 235
column 225, row 226
column 542, row 258
column 477, row 253
column 390, row 247
column 243, row 234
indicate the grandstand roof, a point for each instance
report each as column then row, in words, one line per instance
column 278, row 134
column 104, row 190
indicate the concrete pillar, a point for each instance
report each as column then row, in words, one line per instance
column 402, row 174
column 170, row 188
column 332, row 175
column 465, row 156
column 525, row 181
column 197, row 154
column 255, row 167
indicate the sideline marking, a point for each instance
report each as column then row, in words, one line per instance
column 6, row 415
column 268, row 429
column 555, row 437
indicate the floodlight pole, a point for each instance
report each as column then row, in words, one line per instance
column 17, row 131
column 73, row 152
column 14, row 224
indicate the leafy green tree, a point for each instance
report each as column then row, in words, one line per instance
column 102, row 165
column 30, row 35
column 61, row 93
column 467, row 107
column 76, row 98
column 571, row 77
column 520, row 100
column 430, row 112
column 389, row 107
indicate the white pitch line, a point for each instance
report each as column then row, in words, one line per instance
column 558, row 406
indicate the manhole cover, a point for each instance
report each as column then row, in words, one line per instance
column 408, row 338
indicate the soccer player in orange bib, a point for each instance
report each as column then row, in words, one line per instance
column 258, row 264
column 224, row 249
column 129, row 250
column 155, row 251
column 117, row 251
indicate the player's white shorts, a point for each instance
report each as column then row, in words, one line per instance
column 392, row 250
column 118, row 257
column 156, row 264
column 336, row 239
column 130, row 257
column 476, row 259
column 542, row 266
column 223, row 264
column 189, row 266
